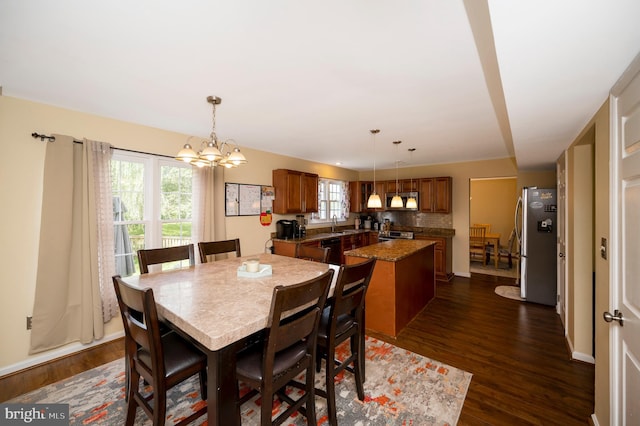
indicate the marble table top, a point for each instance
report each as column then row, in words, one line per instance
column 391, row 251
column 210, row 303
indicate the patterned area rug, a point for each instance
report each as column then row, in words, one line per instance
column 401, row 388
column 509, row 291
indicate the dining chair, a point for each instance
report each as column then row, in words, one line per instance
column 162, row 360
column 147, row 257
column 316, row 254
column 509, row 251
column 287, row 350
column 343, row 319
column 211, row 248
column 477, row 243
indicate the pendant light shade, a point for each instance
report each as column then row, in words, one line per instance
column 374, row 201
column 396, row 201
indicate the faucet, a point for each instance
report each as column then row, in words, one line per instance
column 334, row 222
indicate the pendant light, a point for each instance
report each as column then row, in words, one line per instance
column 412, row 203
column 374, row 201
column 396, row 201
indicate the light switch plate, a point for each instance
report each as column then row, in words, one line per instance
column 603, row 248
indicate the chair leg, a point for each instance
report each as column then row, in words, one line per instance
column 133, row 382
column 510, row 261
column 331, row 387
column 357, row 367
column 310, row 395
column 266, row 408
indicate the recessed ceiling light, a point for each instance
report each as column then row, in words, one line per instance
column 338, row 163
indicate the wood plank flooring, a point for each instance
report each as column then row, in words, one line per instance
column 522, row 374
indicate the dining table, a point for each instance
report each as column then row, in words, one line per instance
column 494, row 239
column 223, row 312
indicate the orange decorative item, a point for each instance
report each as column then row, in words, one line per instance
column 266, row 218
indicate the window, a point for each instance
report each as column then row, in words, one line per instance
column 333, row 201
column 152, row 206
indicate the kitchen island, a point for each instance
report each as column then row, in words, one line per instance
column 402, row 284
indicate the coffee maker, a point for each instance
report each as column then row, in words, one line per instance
column 301, row 228
column 286, row 229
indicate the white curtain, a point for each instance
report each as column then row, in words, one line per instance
column 203, row 203
column 74, row 295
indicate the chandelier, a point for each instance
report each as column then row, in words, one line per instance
column 213, row 152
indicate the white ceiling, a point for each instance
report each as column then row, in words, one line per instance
column 458, row 80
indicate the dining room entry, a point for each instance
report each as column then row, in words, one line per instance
column 492, row 203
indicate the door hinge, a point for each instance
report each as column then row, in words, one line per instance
column 29, row 321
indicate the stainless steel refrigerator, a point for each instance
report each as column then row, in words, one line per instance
column 536, row 230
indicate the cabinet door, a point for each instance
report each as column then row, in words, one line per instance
column 410, row 185
column 392, row 187
column 442, row 199
column 288, row 187
column 309, row 193
column 426, row 195
column 355, row 197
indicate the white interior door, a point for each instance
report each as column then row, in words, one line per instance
column 625, row 267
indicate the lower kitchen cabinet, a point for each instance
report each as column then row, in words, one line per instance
column 442, row 255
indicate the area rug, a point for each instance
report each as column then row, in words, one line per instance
column 509, row 291
column 401, row 388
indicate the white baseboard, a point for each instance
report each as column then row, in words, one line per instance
column 583, row 357
column 56, row 353
column 594, row 419
column 463, row 274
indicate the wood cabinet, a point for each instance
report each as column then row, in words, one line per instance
column 295, row 192
column 435, row 195
column 442, row 254
column 404, row 185
column 359, row 192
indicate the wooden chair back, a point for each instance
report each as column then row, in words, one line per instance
column 211, row 248
column 316, row 254
column 344, row 319
column 163, row 360
column 288, row 348
column 477, row 242
column 148, row 257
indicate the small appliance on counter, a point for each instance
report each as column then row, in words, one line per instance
column 300, row 230
column 285, row 229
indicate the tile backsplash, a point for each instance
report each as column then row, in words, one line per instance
column 416, row 219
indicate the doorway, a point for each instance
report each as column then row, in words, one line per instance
column 492, row 201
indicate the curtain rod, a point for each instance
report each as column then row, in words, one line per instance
column 53, row 139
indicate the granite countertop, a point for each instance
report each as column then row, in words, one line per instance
column 391, row 251
column 326, row 235
column 428, row 232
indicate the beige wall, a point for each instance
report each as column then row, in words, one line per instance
column 595, row 133
column 493, row 201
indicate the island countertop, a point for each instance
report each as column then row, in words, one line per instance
column 391, row 251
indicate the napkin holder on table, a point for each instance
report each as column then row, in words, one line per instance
column 263, row 271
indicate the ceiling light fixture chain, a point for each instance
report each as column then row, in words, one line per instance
column 396, row 201
column 374, row 201
column 212, row 152
column 412, row 203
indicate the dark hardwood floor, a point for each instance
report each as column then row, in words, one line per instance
column 522, row 373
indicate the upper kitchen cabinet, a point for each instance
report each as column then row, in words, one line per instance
column 360, row 192
column 295, row 192
column 435, row 195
